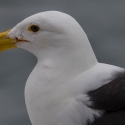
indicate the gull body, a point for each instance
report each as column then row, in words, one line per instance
column 56, row 91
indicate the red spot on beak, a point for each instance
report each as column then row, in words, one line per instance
column 16, row 39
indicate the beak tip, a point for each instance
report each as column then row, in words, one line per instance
column 6, row 42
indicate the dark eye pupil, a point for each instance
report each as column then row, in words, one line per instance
column 35, row 28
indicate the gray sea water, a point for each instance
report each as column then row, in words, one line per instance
column 103, row 22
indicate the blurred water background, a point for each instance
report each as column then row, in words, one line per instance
column 103, row 22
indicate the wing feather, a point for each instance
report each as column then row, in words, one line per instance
column 109, row 97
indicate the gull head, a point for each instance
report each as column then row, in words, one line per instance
column 50, row 34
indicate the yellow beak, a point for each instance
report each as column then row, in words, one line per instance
column 6, row 42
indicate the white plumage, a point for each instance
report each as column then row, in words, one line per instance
column 67, row 69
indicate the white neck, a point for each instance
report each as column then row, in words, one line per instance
column 55, row 68
column 68, row 58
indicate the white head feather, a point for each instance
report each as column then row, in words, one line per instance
column 60, row 38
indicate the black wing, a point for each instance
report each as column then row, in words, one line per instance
column 109, row 97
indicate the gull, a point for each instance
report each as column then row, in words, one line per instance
column 68, row 86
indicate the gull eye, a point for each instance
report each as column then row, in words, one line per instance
column 34, row 28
